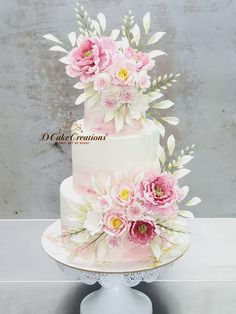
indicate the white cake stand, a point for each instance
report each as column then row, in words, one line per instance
column 116, row 295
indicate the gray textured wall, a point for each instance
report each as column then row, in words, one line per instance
column 201, row 45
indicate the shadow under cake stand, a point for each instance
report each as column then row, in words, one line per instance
column 116, row 279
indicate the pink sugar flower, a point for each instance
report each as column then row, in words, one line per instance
column 142, row 60
column 114, row 223
column 144, row 80
column 104, row 203
column 110, row 98
column 128, row 95
column 142, row 231
column 123, row 70
column 102, row 81
column 124, row 194
column 161, row 193
column 89, row 58
column 134, row 212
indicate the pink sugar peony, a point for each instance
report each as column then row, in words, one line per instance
column 142, row 60
column 124, row 194
column 142, row 231
column 89, row 58
column 115, row 223
column 161, row 193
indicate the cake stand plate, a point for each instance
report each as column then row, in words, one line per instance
column 115, row 296
column 60, row 251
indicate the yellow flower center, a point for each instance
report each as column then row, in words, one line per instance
column 88, row 53
column 116, row 222
column 142, row 228
column 123, row 74
column 124, row 194
column 159, row 192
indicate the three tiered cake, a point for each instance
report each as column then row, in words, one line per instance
column 122, row 201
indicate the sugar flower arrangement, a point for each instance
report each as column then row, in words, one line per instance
column 113, row 70
column 145, row 209
column 142, row 208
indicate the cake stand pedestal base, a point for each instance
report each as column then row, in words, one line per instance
column 116, row 295
column 116, row 300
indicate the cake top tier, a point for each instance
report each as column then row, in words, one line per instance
column 113, row 71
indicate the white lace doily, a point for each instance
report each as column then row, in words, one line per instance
column 127, row 279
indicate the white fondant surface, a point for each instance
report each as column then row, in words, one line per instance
column 115, row 154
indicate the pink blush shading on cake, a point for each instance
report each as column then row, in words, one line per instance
column 129, row 252
column 94, row 121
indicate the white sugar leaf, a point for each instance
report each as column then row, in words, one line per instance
column 171, row 144
column 64, row 60
column 83, row 97
column 97, row 27
column 102, row 21
column 58, row 48
column 118, row 176
column 73, row 217
column 161, row 153
column 128, row 119
column 156, row 249
column 80, row 85
column 108, row 185
column 136, row 34
column 115, row 34
column 183, row 160
column 101, row 249
column 72, row 38
column 144, row 121
column 96, row 186
column 154, row 96
column 92, row 100
column 146, row 22
column 52, row 38
column 185, row 214
column 157, row 165
column 171, row 120
column 128, row 172
column 160, row 127
column 181, row 173
column 156, row 53
column 155, row 38
column 194, row 201
column 119, row 122
column 184, row 192
column 109, row 116
column 165, row 104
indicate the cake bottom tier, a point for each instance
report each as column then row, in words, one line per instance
column 71, row 203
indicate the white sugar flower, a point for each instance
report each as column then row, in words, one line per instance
column 93, row 222
column 138, row 107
